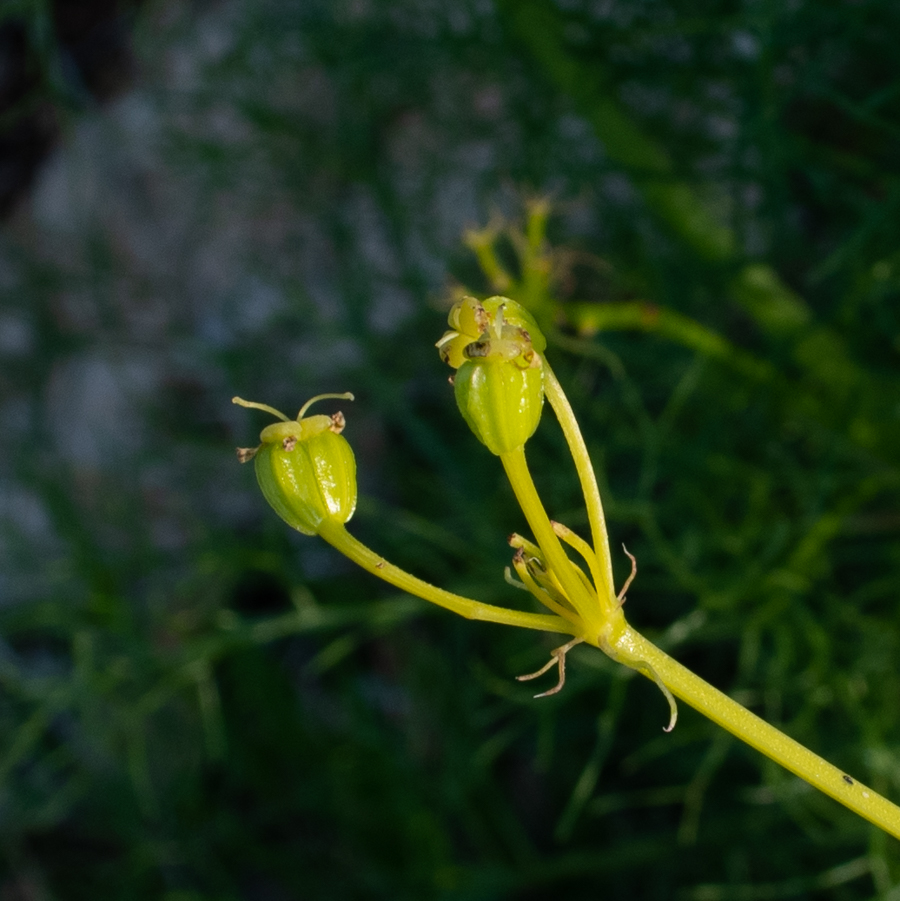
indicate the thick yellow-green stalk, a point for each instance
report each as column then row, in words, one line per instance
column 765, row 738
column 337, row 535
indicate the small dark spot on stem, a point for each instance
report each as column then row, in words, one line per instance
column 848, row 780
column 379, row 564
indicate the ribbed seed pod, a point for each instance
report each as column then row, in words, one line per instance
column 306, row 469
column 495, row 346
column 500, row 401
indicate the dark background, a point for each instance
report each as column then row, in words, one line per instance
column 275, row 198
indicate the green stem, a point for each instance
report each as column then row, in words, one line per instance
column 633, row 649
column 338, row 537
column 586, row 476
column 584, row 602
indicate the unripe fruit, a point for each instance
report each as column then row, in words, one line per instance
column 495, row 346
column 500, row 402
column 305, row 467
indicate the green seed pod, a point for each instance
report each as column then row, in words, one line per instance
column 305, row 467
column 496, row 346
column 500, row 401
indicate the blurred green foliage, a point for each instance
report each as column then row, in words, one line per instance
column 197, row 704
